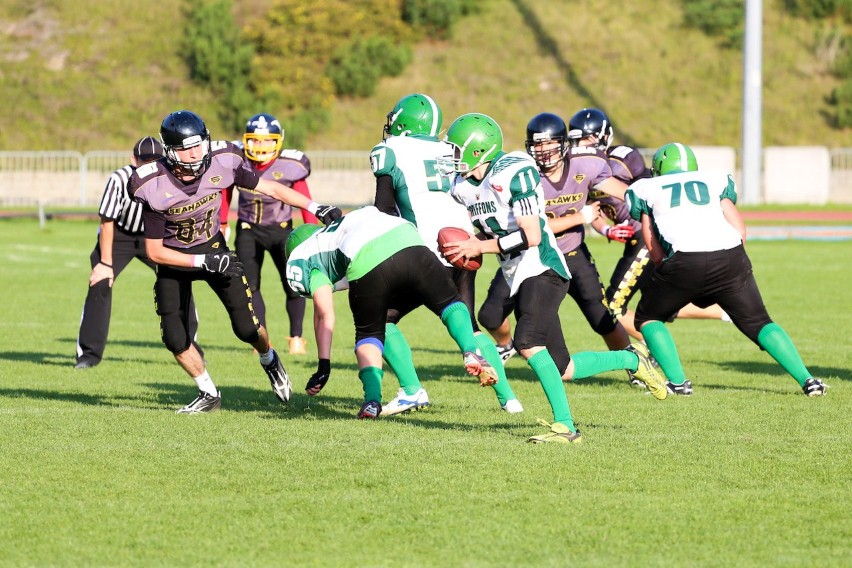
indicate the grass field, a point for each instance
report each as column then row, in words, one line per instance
column 98, row 470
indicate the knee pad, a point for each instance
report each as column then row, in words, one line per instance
column 490, row 316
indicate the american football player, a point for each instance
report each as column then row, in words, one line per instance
column 503, row 195
column 695, row 237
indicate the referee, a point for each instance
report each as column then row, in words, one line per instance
column 120, row 240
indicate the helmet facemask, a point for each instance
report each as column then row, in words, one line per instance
column 547, row 152
column 262, row 147
column 186, row 169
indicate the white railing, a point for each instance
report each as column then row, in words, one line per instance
column 72, row 179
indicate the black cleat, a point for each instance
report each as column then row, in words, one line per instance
column 814, row 387
column 683, row 389
column 370, row 410
column 203, row 403
column 86, row 364
column 278, row 378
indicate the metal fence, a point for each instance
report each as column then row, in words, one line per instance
column 72, row 179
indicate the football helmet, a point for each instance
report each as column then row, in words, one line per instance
column 263, row 138
column 476, row 139
column 299, row 235
column 543, row 128
column 414, row 114
column 591, row 122
column 181, row 130
column 672, row 159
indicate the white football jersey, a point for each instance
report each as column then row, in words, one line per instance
column 686, row 210
column 421, row 192
column 511, row 189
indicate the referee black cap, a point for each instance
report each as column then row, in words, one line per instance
column 148, row 149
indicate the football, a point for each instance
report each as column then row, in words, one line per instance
column 454, row 234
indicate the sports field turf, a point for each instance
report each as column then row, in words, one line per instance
column 97, row 469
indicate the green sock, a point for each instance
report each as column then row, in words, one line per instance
column 660, row 342
column 489, row 351
column 371, row 378
column 589, row 363
column 456, row 318
column 551, row 381
column 398, row 356
column 778, row 344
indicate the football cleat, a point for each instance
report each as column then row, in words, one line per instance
column 406, row 403
column 646, row 372
column 559, row 433
column 278, row 378
column 506, row 352
column 814, row 387
column 634, row 382
column 512, row 406
column 297, row 345
column 204, row 402
column 370, row 410
column 477, row 366
column 683, row 389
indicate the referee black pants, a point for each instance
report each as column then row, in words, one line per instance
column 94, row 322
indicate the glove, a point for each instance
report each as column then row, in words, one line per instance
column 328, row 214
column 620, row 233
column 320, row 378
column 226, row 263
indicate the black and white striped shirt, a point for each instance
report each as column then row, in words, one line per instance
column 116, row 204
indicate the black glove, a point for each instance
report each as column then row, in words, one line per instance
column 320, row 378
column 226, row 263
column 328, row 214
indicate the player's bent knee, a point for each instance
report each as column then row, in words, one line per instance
column 247, row 333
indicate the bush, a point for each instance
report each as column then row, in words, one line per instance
column 841, row 97
column 723, row 19
column 217, row 57
column 819, row 9
column 356, row 67
column 434, row 17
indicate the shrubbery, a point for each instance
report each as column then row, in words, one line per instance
column 723, row 19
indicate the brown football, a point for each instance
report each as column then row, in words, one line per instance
column 454, row 234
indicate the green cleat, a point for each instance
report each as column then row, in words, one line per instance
column 559, row 433
column 646, row 372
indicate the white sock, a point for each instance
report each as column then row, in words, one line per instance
column 205, row 384
column 266, row 358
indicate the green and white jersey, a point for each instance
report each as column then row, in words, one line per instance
column 348, row 249
column 686, row 210
column 421, row 192
column 511, row 189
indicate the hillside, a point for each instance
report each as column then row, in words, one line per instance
column 83, row 75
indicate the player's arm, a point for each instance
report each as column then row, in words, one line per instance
column 588, row 214
column 385, row 195
column 103, row 269
column 324, row 332
column 226, row 262
column 325, row 213
column 733, row 216
column 613, row 186
column 302, row 187
column 655, row 250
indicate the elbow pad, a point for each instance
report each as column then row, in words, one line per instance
column 513, row 243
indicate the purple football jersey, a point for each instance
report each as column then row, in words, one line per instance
column 259, row 209
column 627, row 165
column 185, row 215
column 587, row 167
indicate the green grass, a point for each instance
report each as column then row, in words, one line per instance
column 98, row 470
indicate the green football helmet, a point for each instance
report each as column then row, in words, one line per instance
column 299, row 235
column 414, row 114
column 672, row 159
column 476, row 139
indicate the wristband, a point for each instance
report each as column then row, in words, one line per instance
column 312, row 207
column 197, row 260
column 105, row 264
column 324, row 366
column 514, row 242
column 605, row 231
